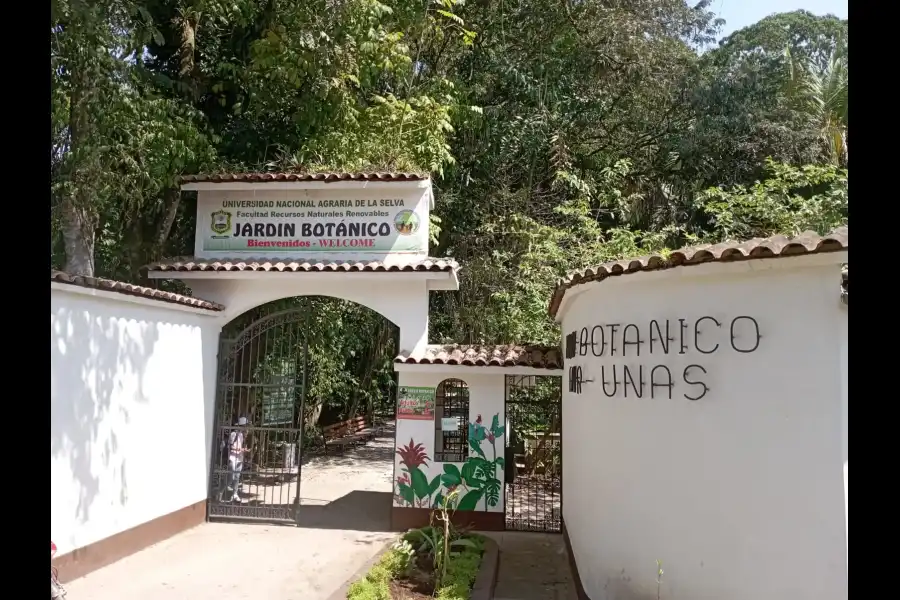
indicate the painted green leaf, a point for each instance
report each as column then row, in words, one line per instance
column 434, row 485
column 500, row 462
column 484, row 467
column 451, row 476
column 471, row 473
column 470, row 500
column 438, row 501
column 492, row 491
column 449, row 481
column 497, row 429
column 476, row 447
column 406, row 492
column 419, row 483
column 477, row 432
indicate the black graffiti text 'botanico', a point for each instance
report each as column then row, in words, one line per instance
column 671, row 336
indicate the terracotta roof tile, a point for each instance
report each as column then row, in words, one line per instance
column 323, row 177
column 538, row 357
column 774, row 247
column 132, row 290
column 299, row 265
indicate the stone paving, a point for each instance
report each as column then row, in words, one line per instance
column 533, row 566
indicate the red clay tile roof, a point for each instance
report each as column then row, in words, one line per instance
column 323, row 177
column 132, row 290
column 299, row 265
column 777, row 246
column 538, row 357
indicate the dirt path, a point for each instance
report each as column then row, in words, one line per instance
column 345, row 518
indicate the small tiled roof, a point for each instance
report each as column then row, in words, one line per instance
column 121, row 287
column 299, row 265
column 323, row 177
column 535, row 356
column 774, row 247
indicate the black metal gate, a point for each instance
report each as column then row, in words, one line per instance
column 258, row 433
column 533, row 457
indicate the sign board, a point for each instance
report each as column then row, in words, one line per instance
column 450, row 424
column 415, row 403
column 305, row 223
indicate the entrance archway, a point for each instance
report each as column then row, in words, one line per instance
column 282, row 366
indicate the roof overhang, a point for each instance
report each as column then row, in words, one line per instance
column 476, row 369
column 701, row 270
column 436, row 280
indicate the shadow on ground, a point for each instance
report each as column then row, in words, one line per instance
column 358, row 511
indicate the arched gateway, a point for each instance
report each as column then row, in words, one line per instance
column 262, row 238
column 278, row 239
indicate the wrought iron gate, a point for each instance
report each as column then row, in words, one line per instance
column 260, row 402
column 533, row 457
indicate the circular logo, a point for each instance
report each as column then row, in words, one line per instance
column 406, row 222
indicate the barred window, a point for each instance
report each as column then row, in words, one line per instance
column 451, row 423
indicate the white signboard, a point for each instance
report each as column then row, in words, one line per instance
column 449, row 423
column 303, row 225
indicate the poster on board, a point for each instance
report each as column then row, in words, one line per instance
column 415, row 403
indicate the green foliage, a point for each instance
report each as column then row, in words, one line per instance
column 555, row 143
column 444, row 545
column 461, row 568
column 376, row 584
column 790, row 200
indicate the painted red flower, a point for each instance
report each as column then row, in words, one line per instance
column 412, row 455
column 491, row 437
column 478, row 420
column 403, row 479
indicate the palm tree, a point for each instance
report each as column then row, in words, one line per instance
column 820, row 93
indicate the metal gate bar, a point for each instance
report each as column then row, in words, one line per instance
column 260, row 401
column 533, row 490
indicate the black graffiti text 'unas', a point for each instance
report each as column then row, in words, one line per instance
column 656, row 338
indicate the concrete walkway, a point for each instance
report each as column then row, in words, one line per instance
column 345, row 521
column 533, row 566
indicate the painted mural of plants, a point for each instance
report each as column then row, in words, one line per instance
column 413, row 488
column 478, row 476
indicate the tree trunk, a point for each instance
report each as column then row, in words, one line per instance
column 79, row 236
column 78, row 226
column 381, row 339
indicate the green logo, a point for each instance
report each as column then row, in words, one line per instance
column 221, row 222
column 406, row 222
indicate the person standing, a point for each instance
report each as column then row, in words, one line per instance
column 236, row 452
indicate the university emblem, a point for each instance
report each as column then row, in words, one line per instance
column 221, row 222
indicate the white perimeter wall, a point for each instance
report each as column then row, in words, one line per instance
column 486, row 398
column 132, row 388
column 741, row 493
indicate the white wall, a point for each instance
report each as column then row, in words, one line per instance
column 845, row 407
column 486, row 398
column 132, row 388
column 401, row 299
column 740, row 493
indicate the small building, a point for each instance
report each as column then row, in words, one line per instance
column 484, row 422
column 705, row 411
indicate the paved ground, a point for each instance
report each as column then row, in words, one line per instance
column 533, row 566
column 345, row 519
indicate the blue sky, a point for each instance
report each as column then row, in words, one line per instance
column 740, row 13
